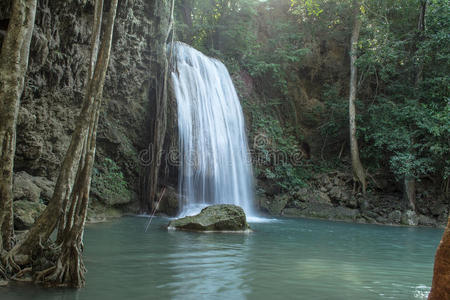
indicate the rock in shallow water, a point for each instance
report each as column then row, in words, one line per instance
column 222, row 217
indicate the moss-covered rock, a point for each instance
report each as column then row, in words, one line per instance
column 223, row 217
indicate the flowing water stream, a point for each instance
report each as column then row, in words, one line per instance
column 282, row 259
column 215, row 166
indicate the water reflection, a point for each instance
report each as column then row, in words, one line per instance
column 287, row 259
column 208, row 264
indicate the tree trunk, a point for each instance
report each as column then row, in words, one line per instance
column 358, row 170
column 95, row 41
column 187, row 18
column 410, row 191
column 69, row 269
column 46, row 223
column 13, row 65
column 440, row 288
column 409, row 182
column 160, row 124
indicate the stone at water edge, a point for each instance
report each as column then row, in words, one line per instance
column 222, row 217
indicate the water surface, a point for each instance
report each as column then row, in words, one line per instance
column 282, row 259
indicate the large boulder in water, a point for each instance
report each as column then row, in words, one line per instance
column 222, row 217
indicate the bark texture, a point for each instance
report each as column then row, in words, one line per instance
column 358, row 170
column 13, row 66
column 441, row 276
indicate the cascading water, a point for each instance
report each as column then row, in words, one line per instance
column 215, row 166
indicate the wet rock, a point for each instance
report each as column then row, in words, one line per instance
column 351, row 201
column 98, row 212
column 409, row 218
column 26, row 213
column 223, row 217
column 323, row 211
column 394, row 217
column 276, row 205
column 426, row 221
column 170, row 202
column 363, row 204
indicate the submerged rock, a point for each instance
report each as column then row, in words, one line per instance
column 222, row 217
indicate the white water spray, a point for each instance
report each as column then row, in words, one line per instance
column 215, row 165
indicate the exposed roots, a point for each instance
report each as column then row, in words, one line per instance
column 18, row 276
column 40, row 276
column 68, row 271
column 10, row 263
column 3, row 272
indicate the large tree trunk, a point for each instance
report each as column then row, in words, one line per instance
column 95, row 41
column 69, row 269
column 358, row 170
column 13, row 66
column 159, row 126
column 441, row 276
column 46, row 223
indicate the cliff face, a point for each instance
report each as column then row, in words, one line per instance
column 55, row 84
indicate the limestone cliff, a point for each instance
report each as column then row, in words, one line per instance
column 54, row 90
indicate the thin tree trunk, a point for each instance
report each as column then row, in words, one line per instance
column 358, row 170
column 409, row 186
column 187, row 18
column 409, row 182
column 46, row 223
column 13, row 65
column 440, row 288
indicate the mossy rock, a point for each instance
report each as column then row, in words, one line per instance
column 222, row 217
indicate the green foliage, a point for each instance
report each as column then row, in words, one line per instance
column 306, row 7
column 403, row 79
column 276, row 152
column 407, row 124
column 110, row 182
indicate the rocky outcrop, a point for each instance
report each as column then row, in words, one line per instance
column 330, row 196
column 32, row 188
column 223, row 217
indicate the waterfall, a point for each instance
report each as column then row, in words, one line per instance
column 215, row 165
